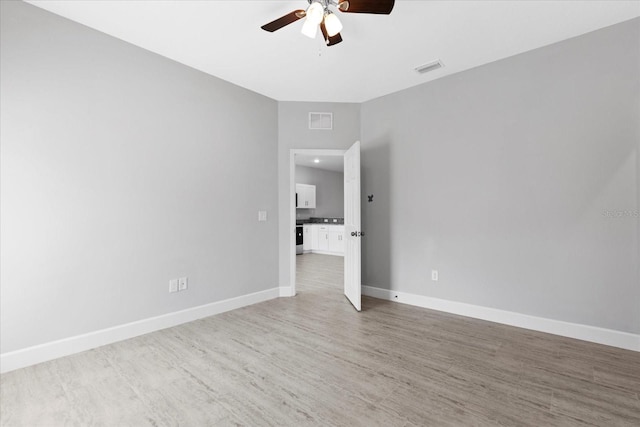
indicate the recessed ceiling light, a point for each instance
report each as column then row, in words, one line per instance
column 316, row 161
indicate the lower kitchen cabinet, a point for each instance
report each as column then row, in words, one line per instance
column 324, row 239
column 309, row 237
column 336, row 239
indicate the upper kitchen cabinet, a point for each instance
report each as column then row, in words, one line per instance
column 305, row 196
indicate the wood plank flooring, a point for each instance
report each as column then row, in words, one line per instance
column 313, row 360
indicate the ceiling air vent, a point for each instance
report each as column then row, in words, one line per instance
column 321, row 121
column 431, row 66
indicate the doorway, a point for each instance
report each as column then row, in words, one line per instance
column 351, row 208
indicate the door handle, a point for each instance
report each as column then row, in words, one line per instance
column 357, row 233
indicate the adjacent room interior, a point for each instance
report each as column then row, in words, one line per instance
column 319, row 183
column 159, row 159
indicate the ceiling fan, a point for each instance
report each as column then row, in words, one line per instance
column 319, row 14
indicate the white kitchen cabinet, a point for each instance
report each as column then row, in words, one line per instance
column 323, row 237
column 306, row 196
column 310, row 197
column 314, row 237
column 336, row 239
column 309, row 236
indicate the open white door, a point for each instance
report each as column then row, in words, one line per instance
column 352, row 250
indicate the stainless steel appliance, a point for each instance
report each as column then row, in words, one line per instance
column 298, row 239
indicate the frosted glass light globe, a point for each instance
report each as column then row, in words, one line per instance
column 315, row 13
column 332, row 24
column 309, row 28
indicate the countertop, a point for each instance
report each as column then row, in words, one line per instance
column 321, row 221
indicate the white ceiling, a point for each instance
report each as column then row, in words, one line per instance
column 378, row 54
column 329, row 163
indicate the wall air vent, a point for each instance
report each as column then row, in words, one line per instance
column 321, row 121
column 431, row 66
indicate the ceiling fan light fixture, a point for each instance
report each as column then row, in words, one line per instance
column 315, row 12
column 333, row 24
column 309, row 29
column 321, row 13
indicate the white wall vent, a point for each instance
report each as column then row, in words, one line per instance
column 323, row 121
column 431, row 66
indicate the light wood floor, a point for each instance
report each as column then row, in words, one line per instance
column 313, row 360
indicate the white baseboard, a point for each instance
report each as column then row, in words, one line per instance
column 286, row 291
column 557, row 327
column 52, row 350
column 321, row 252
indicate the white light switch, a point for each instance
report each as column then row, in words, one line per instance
column 262, row 215
column 182, row 284
column 173, row 285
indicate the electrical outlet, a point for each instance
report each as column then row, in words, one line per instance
column 173, row 285
column 262, row 215
column 182, row 283
column 434, row 275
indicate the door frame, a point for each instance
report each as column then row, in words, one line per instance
column 292, row 203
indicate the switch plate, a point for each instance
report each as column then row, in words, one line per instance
column 173, row 285
column 434, row 275
column 262, row 215
column 183, row 283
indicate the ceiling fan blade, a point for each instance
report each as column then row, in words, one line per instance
column 382, row 7
column 325, row 35
column 334, row 40
column 330, row 41
column 284, row 21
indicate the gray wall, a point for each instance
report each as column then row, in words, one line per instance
column 294, row 133
column 120, row 170
column 501, row 178
column 329, row 192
